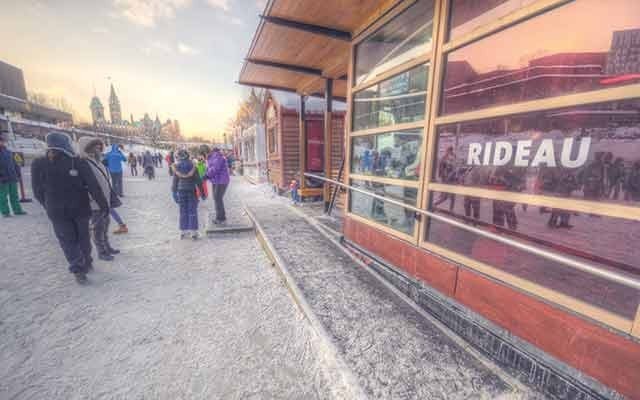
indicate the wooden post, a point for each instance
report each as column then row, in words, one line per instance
column 303, row 142
column 328, row 132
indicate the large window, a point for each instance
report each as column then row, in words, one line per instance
column 589, row 152
column 385, row 213
column 391, row 155
column 406, row 37
column 610, row 243
column 397, row 100
column 582, row 46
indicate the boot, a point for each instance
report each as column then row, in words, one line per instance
column 81, row 278
column 105, row 257
column 111, row 250
column 121, row 229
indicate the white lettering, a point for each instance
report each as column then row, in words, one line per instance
column 486, row 157
column 583, row 152
column 502, row 154
column 473, row 157
column 523, row 149
column 545, row 154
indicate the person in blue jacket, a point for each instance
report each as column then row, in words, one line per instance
column 114, row 160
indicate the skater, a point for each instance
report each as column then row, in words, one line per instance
column 294, row 187
column 170, row 160
column 114, row 160
column 147, row 165
column 9, row 177
column 62, row 183
column 201, row 165
column 133, row 163
column 91, row 149
column 218, row 174
column 185, row 181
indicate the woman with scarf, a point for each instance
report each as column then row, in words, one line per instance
column 185, row 181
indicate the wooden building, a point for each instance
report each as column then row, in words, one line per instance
column 296, row 145
column 507, row 134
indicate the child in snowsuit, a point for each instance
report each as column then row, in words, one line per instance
column 201, row 166
column 185, row 181
column 295, row 194
column 9, row 176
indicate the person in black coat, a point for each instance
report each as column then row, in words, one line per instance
column 62, row 183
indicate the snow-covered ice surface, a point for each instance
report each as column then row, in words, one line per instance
column 393, row 350
column 169, row 319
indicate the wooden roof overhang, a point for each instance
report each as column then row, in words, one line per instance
column 300, row 43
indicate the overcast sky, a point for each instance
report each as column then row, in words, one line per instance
column 176, row 58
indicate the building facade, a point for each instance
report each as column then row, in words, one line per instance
column 516, row 126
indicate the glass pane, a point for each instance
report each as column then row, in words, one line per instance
column 584, row 45
column 397, row 100
column 392, row 154
column 587, row 152
column 613, row 248
column 467, row 15
column 404, row 38
column 388, row 214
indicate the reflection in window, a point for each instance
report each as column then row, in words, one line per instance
column 406, row 37
column 614, row 248
column 382, row 212
column 599, row 48
column 391, row 155
column 273, row 139
column 468, row 15
column 589, row 152
column 399, row 99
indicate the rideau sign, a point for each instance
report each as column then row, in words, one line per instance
column 529, row 153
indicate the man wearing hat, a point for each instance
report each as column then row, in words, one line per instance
column 9, row 175
column 63, row 183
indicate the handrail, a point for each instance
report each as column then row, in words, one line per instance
column 567, row 261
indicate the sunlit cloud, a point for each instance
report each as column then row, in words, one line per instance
column 261, row 4
column 147, row 12
column 236, row 21
column 222, row 4
column 187, row 50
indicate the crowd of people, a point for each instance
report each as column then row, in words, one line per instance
column 80, row 186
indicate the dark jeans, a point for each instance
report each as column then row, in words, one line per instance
column 75, row 241
column 218, row 194
column 100, row 231
column 134, row 170
column 188, row 203
column 116, row 181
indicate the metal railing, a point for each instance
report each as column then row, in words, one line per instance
column 559, row 258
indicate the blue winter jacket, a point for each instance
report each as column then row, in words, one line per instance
column 9, row 171
column 114, row 159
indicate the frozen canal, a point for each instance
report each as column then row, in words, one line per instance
column 169, row 319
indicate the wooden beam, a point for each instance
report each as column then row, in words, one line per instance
column 315, row 29
column 270, row 87
column 289, row 67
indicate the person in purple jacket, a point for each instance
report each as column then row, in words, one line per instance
column 218, row 174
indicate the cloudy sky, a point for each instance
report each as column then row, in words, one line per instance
column 176, row 58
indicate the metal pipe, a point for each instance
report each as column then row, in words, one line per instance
column 570, row 262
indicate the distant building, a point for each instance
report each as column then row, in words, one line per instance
column 15, row 104
column 114, row 107
column 97, row 110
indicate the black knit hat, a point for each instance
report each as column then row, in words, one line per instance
column 60, row 141
column 183, row 155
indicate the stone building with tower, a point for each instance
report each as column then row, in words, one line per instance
column 131, row 128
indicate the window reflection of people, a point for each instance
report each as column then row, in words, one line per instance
column 510, row 179
column 471, row 177
column 616, row 178
column 447, row 174
column 591, row 178
column 565, row 183
column 633, row 182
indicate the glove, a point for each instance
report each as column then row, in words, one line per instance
column 104, row 212
column 175, row 197
column 203, row 197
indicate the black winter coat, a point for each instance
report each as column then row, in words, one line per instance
column 9, row 171
column 186, row 177
column 60, row 193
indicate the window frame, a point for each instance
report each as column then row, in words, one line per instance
column 436, row 58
